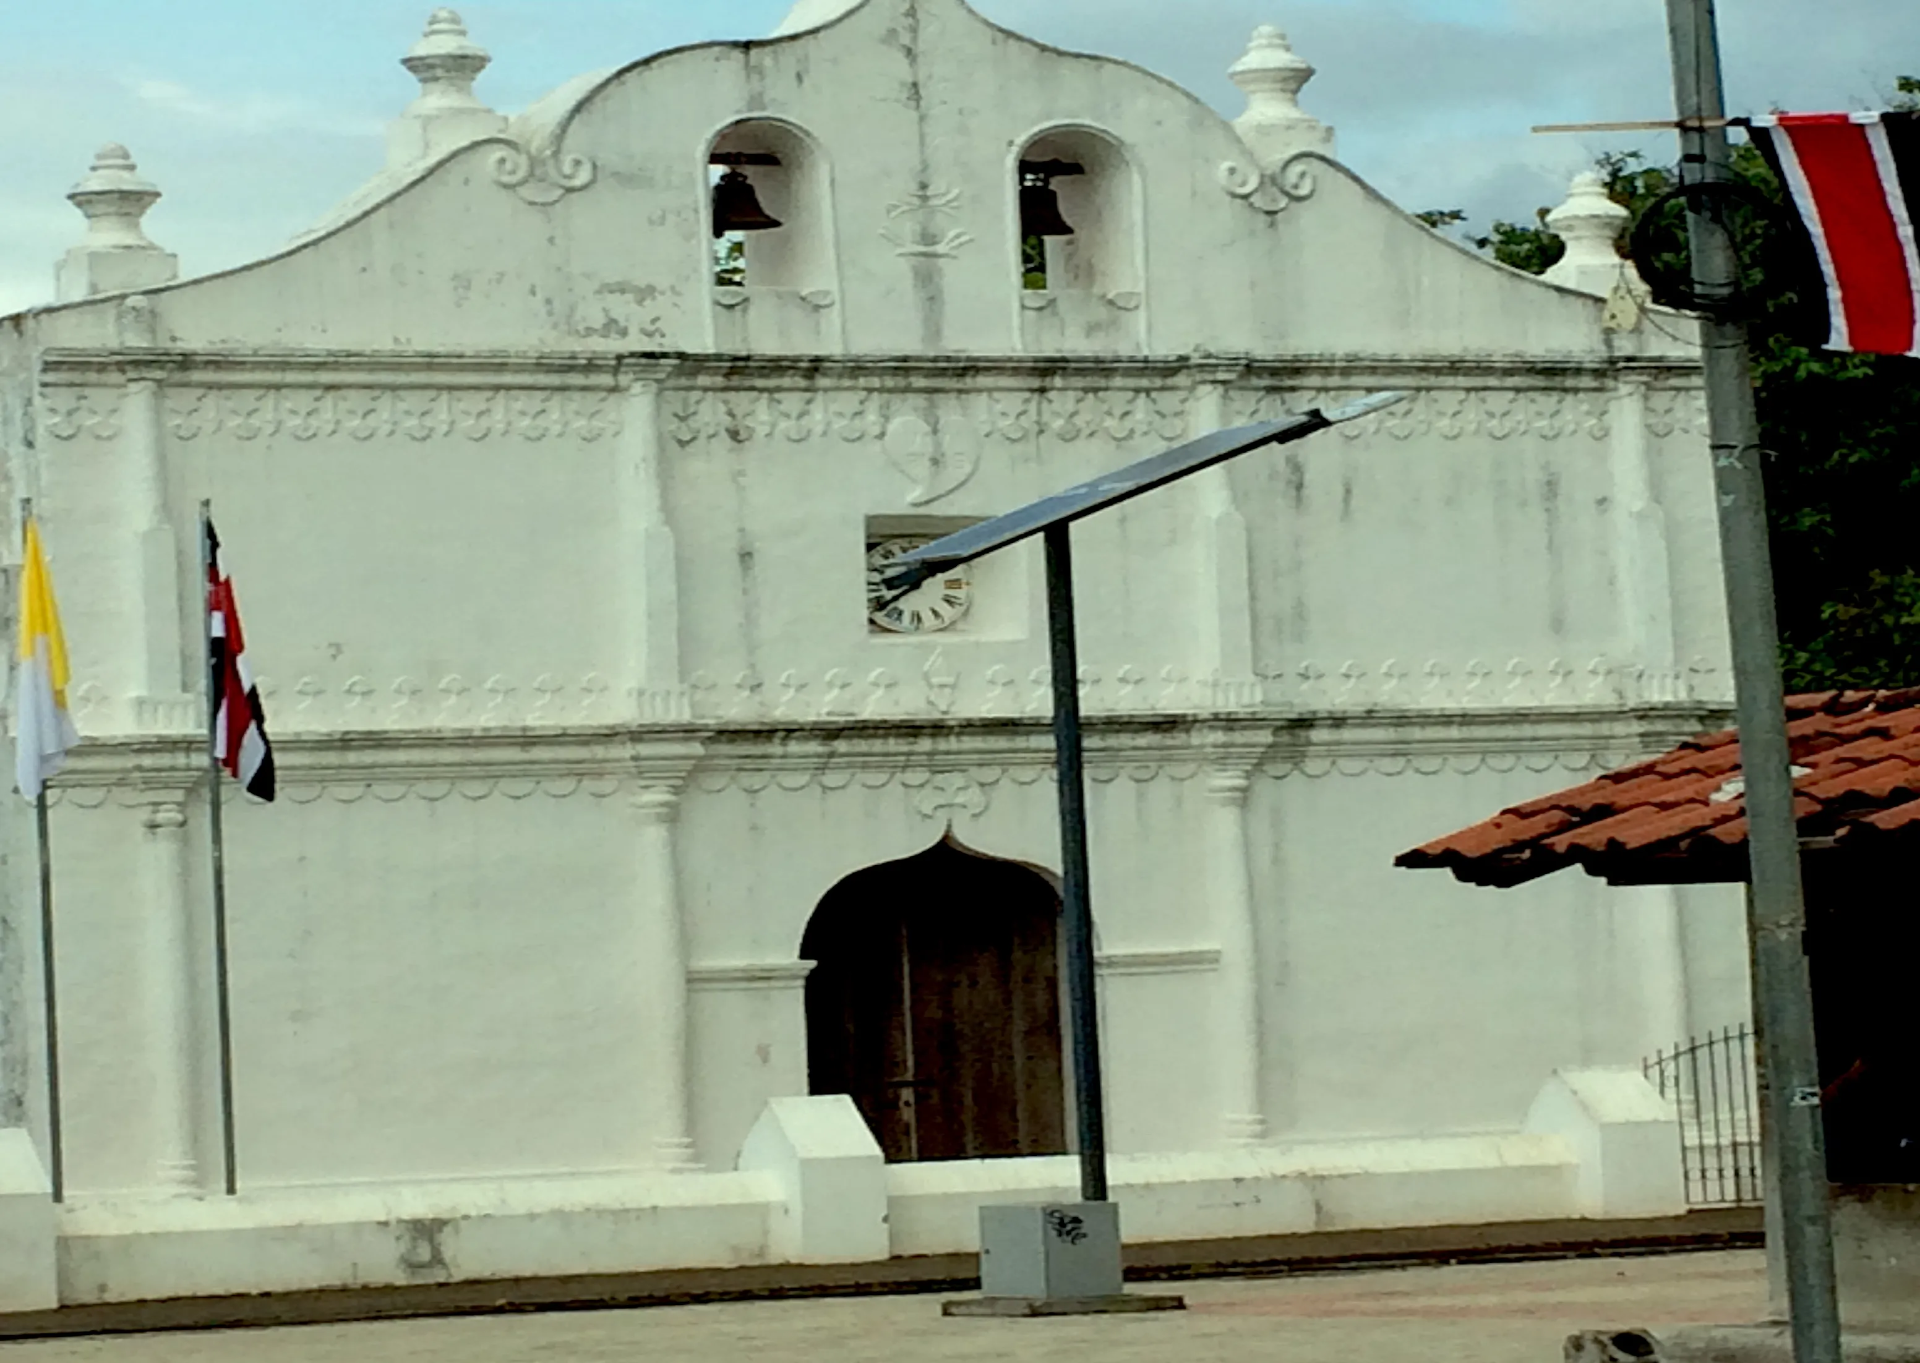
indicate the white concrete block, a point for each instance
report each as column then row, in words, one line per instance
column 832, row 1177
column 1624, row 1135
column 29, row 1229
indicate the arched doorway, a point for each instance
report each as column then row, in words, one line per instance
column 935, row 1003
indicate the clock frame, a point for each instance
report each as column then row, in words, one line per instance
column 937, row 604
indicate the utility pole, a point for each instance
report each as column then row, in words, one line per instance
column 1776, row 913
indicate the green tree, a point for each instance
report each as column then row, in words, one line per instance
column 1842, row 434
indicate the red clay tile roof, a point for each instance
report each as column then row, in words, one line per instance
column 1680, row 816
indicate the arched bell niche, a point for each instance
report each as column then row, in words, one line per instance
column 1078, row 242
column 774, row 270
column 936, row 1004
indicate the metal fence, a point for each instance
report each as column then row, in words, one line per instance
column 1714, row 1083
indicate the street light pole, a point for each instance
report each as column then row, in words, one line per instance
column 1076, row 897
column 1776, row 915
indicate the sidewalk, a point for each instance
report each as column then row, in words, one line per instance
column 1481, row 1313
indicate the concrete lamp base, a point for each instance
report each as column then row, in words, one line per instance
column 1053, row 1259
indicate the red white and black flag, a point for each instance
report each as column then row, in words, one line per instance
column 239, row 724
column 1855, row 181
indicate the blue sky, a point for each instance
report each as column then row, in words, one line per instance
column 256, row 116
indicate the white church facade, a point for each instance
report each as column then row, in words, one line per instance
column 614, row 820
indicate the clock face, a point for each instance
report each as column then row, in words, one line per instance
column 936, row 604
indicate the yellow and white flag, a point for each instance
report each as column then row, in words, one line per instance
column 43, row 731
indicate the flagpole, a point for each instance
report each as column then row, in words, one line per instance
column 216, row 828
column 56, row 1158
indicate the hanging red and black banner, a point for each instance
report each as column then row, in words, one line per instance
column 1854, row 180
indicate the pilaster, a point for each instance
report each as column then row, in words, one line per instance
column 1640, row 539
column 1225, row 611
column 171, row 970
column 661, row 950
column 1230, row 761
column 159, row 677
column 651, row 587
column 1668, row 1006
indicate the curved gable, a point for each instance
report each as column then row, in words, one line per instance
column 588, row 226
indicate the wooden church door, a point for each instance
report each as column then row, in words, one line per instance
column 935, row 1004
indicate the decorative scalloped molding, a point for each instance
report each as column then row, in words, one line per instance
column 489, row 700
column 326, row 704
column 264, row 367
column 303, row 414
column 946, row 758
column 307, row 395
column 1132, row 688
column 695, row 416
column 1464, row 413
column 473, row 788
column 738, row 415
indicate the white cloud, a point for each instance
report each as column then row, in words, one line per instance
column 1433, row 99
column 250, row 112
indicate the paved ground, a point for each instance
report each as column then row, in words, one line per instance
column 1482, row 1313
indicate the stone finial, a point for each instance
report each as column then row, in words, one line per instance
column 114, row 198
column 1590, row 223
column 1272, row 74
column 447, row 62
column 447, row 113
column 117, row 254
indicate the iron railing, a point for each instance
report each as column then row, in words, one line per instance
column 1715, row 1085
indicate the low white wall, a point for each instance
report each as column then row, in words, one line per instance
column 934, row 1208
column 812, row 1188
column 27, row 1227
column 321, row 1238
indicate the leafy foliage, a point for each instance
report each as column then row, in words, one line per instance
column 1033, row 262
column 1842, row 434
column 730, row 261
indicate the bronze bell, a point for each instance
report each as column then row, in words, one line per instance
column 1040, row 209
column 1040, row 202
column 736, row 208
